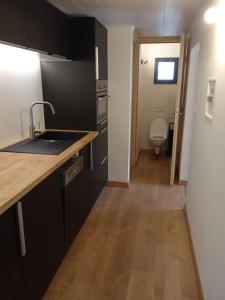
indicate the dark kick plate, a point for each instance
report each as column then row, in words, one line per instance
column 45, row 146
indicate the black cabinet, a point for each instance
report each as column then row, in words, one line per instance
column 12, row 22
column 70, row 86
column 81, row 44
column 102, row 50
column 76, row 196
column 34, row 25
column 40, row 26
column 82, row 192
column 100, row 158
column 30, row 258
column 89, row 43
column 44, row 235
column 44, row 27
column 12, row 284
column 100, row 145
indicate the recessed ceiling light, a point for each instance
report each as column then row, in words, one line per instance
column 211, row 15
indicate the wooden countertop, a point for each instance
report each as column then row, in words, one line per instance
column 21, row 172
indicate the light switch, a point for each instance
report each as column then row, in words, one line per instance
column 210, row 98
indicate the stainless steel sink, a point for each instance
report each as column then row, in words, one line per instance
column 48, row 143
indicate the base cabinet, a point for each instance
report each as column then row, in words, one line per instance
column 12, row 283
column 82, row 193
column 44, row 235
column 30, row 260
column 37, row 231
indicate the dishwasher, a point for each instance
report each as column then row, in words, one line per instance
column 74, row 197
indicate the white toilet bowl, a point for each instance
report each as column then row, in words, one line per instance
column 158, row 133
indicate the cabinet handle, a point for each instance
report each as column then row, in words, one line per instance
column 104, row 160
column 21, row 229
column 91, row 157
column 104, row 122
column 97, row 63
column 104, row 130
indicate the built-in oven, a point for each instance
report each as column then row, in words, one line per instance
column 102, row 100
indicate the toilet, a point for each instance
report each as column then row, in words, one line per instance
column 158, row 133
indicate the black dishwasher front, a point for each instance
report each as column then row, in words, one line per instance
column 75, row 200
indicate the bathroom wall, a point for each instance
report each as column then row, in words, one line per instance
column 154, row 100
column 20, row 85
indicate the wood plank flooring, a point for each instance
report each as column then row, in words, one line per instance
column 128, row 249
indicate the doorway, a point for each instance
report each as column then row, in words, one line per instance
column 158, row 101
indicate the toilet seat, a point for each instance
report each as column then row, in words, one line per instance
column 158, row 129
column 158, row 133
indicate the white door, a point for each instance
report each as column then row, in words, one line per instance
column 179, row 100
column 189, row 112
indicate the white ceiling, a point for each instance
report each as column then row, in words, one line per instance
column 150, row 17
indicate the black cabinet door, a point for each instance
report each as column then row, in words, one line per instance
column 12, row 18
column 70, row 86
column 78, row 198
column 34, row 25
column 101, row 43
column 100, row 145
column 82, row 193
column 54, row 34
column 37, row 32
column 12, row 284
column 75, row 198
column 44, row 235
column 81, row 39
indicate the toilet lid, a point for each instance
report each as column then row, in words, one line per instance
column 159, row 128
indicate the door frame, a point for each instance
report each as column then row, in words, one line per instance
column 136, row 68
column 180, row 109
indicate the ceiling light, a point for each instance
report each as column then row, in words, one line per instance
column 211, row 15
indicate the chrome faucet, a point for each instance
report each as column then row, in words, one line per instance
column 33, row 131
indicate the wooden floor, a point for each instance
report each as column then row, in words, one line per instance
column 127, row 250
column 151, row 178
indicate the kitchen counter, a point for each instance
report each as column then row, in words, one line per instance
column 21, row 172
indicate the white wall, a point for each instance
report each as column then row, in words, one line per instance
column 152, row 95
column 206, row 188
column 20, row 85
column 193, row 77
column 120, row 57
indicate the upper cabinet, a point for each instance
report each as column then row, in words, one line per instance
column 45, row 27
column 101, row 50
column 37, row 25
column 12, row 22
column 88, row 42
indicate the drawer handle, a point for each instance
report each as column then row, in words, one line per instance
column 21, row 229
column 104, row 122
column 104, row 130
column 104, row 160
column 97, row 63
